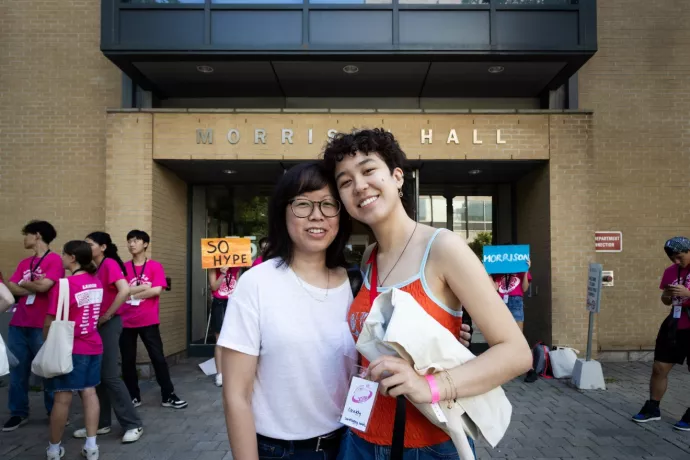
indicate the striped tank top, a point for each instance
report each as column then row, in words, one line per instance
column 419, row 432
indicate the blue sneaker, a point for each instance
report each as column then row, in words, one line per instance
column 649, row 412
column 684, row 423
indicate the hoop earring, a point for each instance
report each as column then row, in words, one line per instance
column 400, row 193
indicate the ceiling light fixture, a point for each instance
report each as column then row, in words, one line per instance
column 474, row 172
column 204, row 68
column 496, row 69
column 350, row 69
column 229, row 171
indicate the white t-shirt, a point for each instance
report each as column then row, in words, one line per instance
column 305, row 349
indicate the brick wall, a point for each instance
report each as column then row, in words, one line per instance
column 170, row 233
column 144, row 195
column 534, row 228
column 638, row 85
column 573, row 218
column 54, row 88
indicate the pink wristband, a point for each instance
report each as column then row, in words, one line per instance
column 435, row 396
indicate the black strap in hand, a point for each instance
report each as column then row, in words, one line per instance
column 399, row 429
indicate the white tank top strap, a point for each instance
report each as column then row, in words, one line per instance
column 428, row 250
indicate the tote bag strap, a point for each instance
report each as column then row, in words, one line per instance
column 398, row 443
column 62, row 313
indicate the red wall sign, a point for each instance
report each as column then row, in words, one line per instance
column 608, row 241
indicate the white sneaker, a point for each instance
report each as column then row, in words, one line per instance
column 219, row 380
column 132, row 435
column 81, row 432
column 90, row 454
column 55, row 455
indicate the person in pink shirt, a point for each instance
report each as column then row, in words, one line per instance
column 85, row 299
column 673, row 340
column 512, row 287
column 140, row 319
column 262, row 247
column 31, row 283
column 222, row 281
column 112, row 392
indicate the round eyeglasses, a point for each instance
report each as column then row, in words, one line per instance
column 303, row 208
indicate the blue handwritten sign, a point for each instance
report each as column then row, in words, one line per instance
column 506, row 259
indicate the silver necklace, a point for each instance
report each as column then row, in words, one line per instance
column 399, row 257
column 328, row 283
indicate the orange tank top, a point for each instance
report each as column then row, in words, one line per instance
column 419, row 432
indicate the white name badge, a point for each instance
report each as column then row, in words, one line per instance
column 134, row 302
column 359, row 403
column 677, row 311
column 30, row 299
column 506, row 298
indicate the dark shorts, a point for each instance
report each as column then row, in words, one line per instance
column 86, row 373
column 218, row 307
column 668, row 351
column 516, row 306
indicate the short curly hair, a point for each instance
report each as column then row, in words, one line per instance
column 368, row 141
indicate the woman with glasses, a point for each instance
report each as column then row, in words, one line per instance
column 289, row 346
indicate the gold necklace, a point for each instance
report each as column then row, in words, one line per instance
column 301, row 283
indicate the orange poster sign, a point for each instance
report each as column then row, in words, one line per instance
column 226, row 252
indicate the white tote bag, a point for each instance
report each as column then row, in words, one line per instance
column 563, row 361
column 55, row 356
column 4, row 361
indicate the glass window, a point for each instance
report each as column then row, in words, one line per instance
column 475, row 210
column 444, row 2
column 351, row 2
column 161, row 2
column 532, row 2
column 424, row 210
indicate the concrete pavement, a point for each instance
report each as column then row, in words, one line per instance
column 551, row 420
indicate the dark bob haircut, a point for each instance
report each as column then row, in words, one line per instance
column 45, row 229
column 300, row 179
column 368, row 141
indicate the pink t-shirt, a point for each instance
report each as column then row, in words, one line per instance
column 671, row 277
column 514, row 287
column 109, row 273
column 227, row 286
column 31, row 310
column 85, row 298
column 151, row 274
column 258, row 260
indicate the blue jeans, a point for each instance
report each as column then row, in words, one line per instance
column 355, row 448
column 24, row 343
column 273, row 451
column 516, row 307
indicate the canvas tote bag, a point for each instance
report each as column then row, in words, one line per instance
column 563, row 361
column 55, row 356
column 4, row 359
column 398, row 326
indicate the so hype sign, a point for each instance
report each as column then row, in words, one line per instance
column 226, row 252
column 506, row 259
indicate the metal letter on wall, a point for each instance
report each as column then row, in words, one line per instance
column 287, row 136
column 498, row 137
column 204, row 136
column 233, row 136
column 475, row 138
column 332, row 133
column 259, row 136
column 453, row 137
column 427, row 136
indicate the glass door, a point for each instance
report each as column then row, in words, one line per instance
column 220, row 211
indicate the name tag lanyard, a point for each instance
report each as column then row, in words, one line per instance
column 140, row 275
column 31, row 264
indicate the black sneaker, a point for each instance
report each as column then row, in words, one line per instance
column 649, row 412
column 15, row 422
column 684, row 423
column 531, row 376
column 174, row 402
